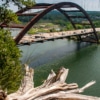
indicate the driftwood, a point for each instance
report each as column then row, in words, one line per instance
column 53, row 88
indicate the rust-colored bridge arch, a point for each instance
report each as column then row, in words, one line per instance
column 61, row 7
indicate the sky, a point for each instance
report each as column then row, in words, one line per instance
column 86, row 4
column 89, row 5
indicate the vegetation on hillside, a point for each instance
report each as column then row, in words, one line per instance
column 57, row 22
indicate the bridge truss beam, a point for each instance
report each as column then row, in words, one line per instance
column 61, row 7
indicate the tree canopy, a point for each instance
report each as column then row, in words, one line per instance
column 10, row 65
column 19, row 3
column 7, row 15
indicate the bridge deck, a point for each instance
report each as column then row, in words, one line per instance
column 41, row 37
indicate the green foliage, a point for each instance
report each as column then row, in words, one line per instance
column 19, row 3
column 37, row 30
column 69, row 26
column 52, row 30
column 79, row 26
column 10, row 65
column 32, row 31
column 7, row 15
column 57, row 18
column 10, row 68
column 28, row 3
column 97, row 23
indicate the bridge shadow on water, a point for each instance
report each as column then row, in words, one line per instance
column 46, row 52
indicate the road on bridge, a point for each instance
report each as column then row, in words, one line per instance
column 41, row 37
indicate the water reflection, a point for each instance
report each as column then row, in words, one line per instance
column 42, row 53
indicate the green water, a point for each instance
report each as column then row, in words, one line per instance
column 82, row 59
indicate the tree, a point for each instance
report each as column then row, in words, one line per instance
column 10, row 65
column 7, row 15
column 10, row 68
column 19, row 3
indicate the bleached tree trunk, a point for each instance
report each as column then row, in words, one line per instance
column 53, row 88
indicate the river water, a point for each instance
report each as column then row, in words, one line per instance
column 82, row 59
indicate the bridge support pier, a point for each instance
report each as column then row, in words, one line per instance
column 79, row 38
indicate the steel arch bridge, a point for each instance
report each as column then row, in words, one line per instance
column 62, row 7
